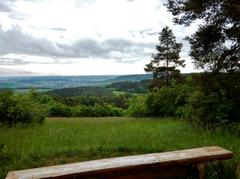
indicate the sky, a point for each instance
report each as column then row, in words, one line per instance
column 83, row 37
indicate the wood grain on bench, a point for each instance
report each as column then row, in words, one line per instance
column 123, row 164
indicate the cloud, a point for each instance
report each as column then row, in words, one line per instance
column 116, row 48
column 12, row 61
column 83, row 2
column 145, row 33
column 152, row 33
column 58, row 29
column 25, row 60
column 4, row 7
column 7, row 5
column 15, row 41
column 17, row 16
column 15, row 72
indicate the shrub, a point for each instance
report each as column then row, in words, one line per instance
column 162, row 102
column 19, row 109
column 82, row 111
column 115, row 111
column 59, row 110
column 137, row 106
column 97, row 111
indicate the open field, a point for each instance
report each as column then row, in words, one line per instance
column 63, row 140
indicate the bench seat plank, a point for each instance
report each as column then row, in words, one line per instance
column 188, row 156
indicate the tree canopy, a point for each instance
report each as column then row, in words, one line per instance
column 215, row 46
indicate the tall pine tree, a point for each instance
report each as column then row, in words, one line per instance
column 164, row 62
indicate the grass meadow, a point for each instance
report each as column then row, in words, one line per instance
column 64, row 140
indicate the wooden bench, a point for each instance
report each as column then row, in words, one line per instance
column 156, row 165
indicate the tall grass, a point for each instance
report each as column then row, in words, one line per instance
column 63, row 140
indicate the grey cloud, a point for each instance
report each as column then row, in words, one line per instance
column 152, row 33
column 112, row 48
column 127, row 61
column 144, row 33
column 87, row 48
column 22, row 61
column 58, row 29
column 4, row 7
column 14, row 41
column 17, row 16
column 15, row 72
column 51, row 28
column 12, row 61
column 7, row 5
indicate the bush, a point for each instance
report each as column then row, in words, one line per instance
column 59, row 110
column 115, row 111
column 137, row 106
column 162, row 102
column 82, row 111
column 97, row 111
column 168, row 101
column 19, row 109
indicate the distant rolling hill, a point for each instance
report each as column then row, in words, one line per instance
column 58, row 82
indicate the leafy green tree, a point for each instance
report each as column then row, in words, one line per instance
column 216, row 44
column 165, row 61
column 19, row 109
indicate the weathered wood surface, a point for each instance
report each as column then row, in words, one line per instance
column 121, row 166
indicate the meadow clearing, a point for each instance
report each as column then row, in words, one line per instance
column 65, row 140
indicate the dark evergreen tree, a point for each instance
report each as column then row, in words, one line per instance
column 164, row 62
column 216, row 44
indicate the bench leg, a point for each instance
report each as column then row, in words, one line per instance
column 201, row 170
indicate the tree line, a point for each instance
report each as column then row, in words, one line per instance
column 209, row 99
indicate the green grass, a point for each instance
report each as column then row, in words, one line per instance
column 63, row 140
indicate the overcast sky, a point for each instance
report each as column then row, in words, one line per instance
column 83, row 37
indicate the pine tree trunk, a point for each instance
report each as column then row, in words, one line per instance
column 167, row 74
column 167, row 64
